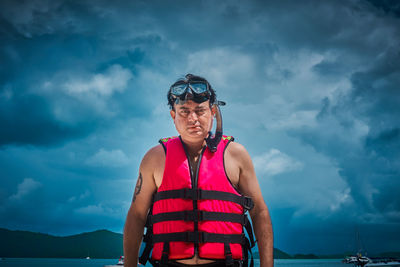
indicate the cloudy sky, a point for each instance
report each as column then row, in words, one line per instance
column 312, row 92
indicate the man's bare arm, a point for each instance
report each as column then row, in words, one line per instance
column 141, row 201
column 249, row 186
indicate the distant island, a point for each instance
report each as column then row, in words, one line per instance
column 100, row 244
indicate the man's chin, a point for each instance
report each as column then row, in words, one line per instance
column 197, row 135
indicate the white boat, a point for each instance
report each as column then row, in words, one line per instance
column 357, row 260
column 119, row 264
column 350, row 259
column 363, row 261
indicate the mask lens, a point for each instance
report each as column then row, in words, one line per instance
column 198, row 88
column 179, row 89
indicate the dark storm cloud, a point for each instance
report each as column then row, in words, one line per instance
column 366, row 140
column 40, row 46
column 377, row 94
column 390, row 7
column 27, row 120
column 27, row 115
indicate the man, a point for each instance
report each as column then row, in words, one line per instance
column 192, row 197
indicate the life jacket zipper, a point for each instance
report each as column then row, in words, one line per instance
column 195, row 207
column 194, row 180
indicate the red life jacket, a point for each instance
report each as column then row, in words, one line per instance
column 197, row 213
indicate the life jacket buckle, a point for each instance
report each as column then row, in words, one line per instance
column 193, row 216
column 192, row 237
column 190, row 193
column 199, row 194
column 195, row 237
column 229, row 260
column 248, row 203
column 194, row 194
column 197, row 216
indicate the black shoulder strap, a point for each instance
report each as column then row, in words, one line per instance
column 163, row 145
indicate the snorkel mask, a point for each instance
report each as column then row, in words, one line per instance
column 198, row 91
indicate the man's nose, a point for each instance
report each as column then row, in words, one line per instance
column 193, row 116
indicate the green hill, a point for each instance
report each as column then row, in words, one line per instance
column 279, row 254
column 97, row 244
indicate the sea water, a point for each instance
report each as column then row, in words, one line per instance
column 33, row 262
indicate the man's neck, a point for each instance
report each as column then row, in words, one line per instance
column 194, row 148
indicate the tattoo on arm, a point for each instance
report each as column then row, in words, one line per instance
column 138, row 187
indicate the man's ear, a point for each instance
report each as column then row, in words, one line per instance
column 173, row 114
column 213, row 110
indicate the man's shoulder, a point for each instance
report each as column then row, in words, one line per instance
column 236, row 152
column 153, row 155
column 235, row 148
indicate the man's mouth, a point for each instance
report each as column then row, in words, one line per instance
column 194, row 127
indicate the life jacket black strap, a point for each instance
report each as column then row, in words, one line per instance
column 146, row 253
column 165, row 254
column 247, row 249
column 147, row 237
column 252, row 258
column 228, row 255
column 199, row 194
column 201, row 237
column 246, row 202
column 249, row 229
column 196, row 216
column 163, row 145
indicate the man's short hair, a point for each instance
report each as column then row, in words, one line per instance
column 189, row 78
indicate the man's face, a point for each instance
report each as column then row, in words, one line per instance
column 193, row 121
